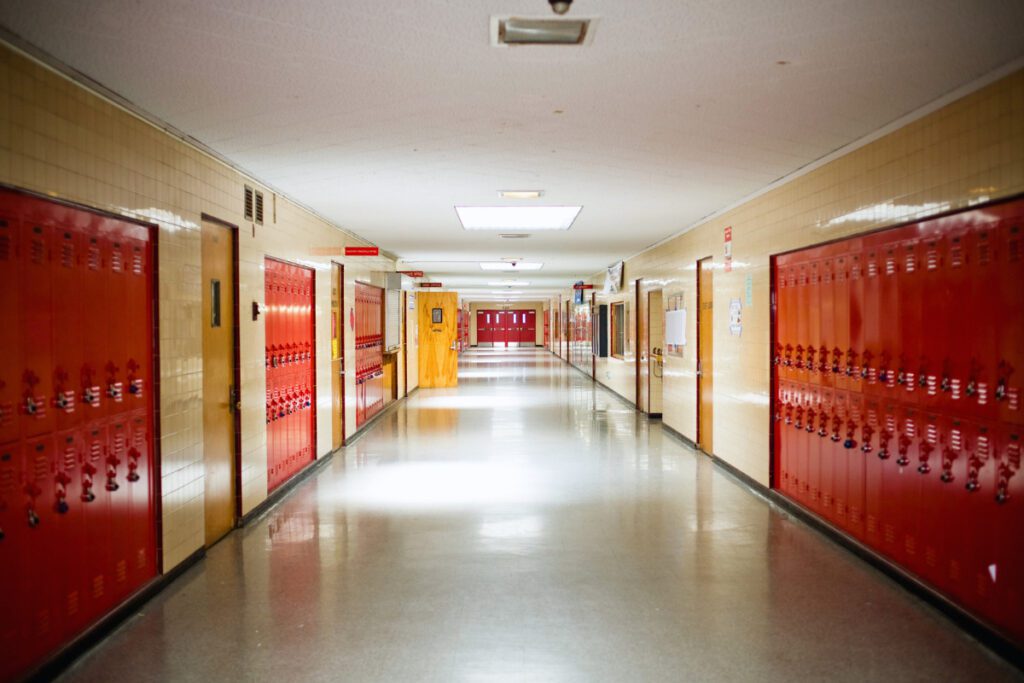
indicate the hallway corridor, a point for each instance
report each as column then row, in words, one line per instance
column 530, row 526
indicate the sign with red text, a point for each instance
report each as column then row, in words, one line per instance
column 580, row 285
column 429, row 284
column 412, row 273
column 362, row 251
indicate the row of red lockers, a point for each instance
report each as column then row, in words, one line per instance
column 498, row 327
column 897, row 401
column 369, row 351
column 291, row 361
column 76, row 480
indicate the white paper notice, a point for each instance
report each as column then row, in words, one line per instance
column 675, row 327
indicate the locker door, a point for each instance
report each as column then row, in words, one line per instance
column 10, row 344
column 36, row 324
column 13, row 562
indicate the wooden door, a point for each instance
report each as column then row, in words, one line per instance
column 640, row 353
column 438, row 354
column 655, row 350
column 705, row 366
column 219, row 391
column 337, row 355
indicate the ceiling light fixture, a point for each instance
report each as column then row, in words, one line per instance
column 517, row 217
column 520, row 194
column 509, row 283
column 519, row 31
column 514, row 235
column 510, row 265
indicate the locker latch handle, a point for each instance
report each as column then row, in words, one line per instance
column 88, row 470
column 904, row 446
column 866, row 433
column 883, row 444
column 948, row 457
column 926, row 450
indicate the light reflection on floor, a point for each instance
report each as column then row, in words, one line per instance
column 528, row 526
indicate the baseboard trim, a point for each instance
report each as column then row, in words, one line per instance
column 361, row 432
column 67, row 655
column 282, row 491
column 987, row 635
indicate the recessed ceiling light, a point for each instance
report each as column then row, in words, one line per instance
column 509, row 283
column 510, row 265
column 529, row 31
column 517, row 217
column 520, row 194
column 514, row 235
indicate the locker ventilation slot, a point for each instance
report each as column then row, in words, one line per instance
column 67, row 251
column 248, row 202
column 40, row 467
column 38, row 250
column 94, row 256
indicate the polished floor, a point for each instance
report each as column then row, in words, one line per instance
column 529, row 526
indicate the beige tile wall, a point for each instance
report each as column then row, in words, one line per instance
column 60, row 139
column 966, row 152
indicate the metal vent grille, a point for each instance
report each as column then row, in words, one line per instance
column 249, row 201
column 258, row 213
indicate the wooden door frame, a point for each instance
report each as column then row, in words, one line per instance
column 636, row 349
column 650, row 373
column 593, row 340
column 236, row 411
column 405, row 345
column 700, row 374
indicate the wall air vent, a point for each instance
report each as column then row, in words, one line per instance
column 253, row 205
column 258, row 212
column 530, row 31
column 248, row 203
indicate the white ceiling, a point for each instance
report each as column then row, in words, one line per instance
column 383, row 116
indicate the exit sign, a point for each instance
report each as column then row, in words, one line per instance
column 412, row 273
column 582, row 286
column 362, row 251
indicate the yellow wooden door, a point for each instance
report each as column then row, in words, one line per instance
column 219, row 400
column 438, row 352
column 705, row 346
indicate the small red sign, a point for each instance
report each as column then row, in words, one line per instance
column 583, row 286
column 728, row 249
column 429, row 284
column 362, row 251
column 412, row 273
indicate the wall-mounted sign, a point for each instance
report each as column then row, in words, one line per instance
column 613, row 278
column 675, row 328
column 728, row 249
column 580, row 285
column 735, row 319
column 362, row 251
column 429, row 284
column 412, row 273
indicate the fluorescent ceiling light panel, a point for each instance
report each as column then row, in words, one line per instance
column 517, row 265
column 509, row 283
column 520, row 194
column 517, row 217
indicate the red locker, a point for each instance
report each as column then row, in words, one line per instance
column 369, row 352
column 80, row 289
column 289, row 294
column 914, row 336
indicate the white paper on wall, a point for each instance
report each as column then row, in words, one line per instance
column 675, row 327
